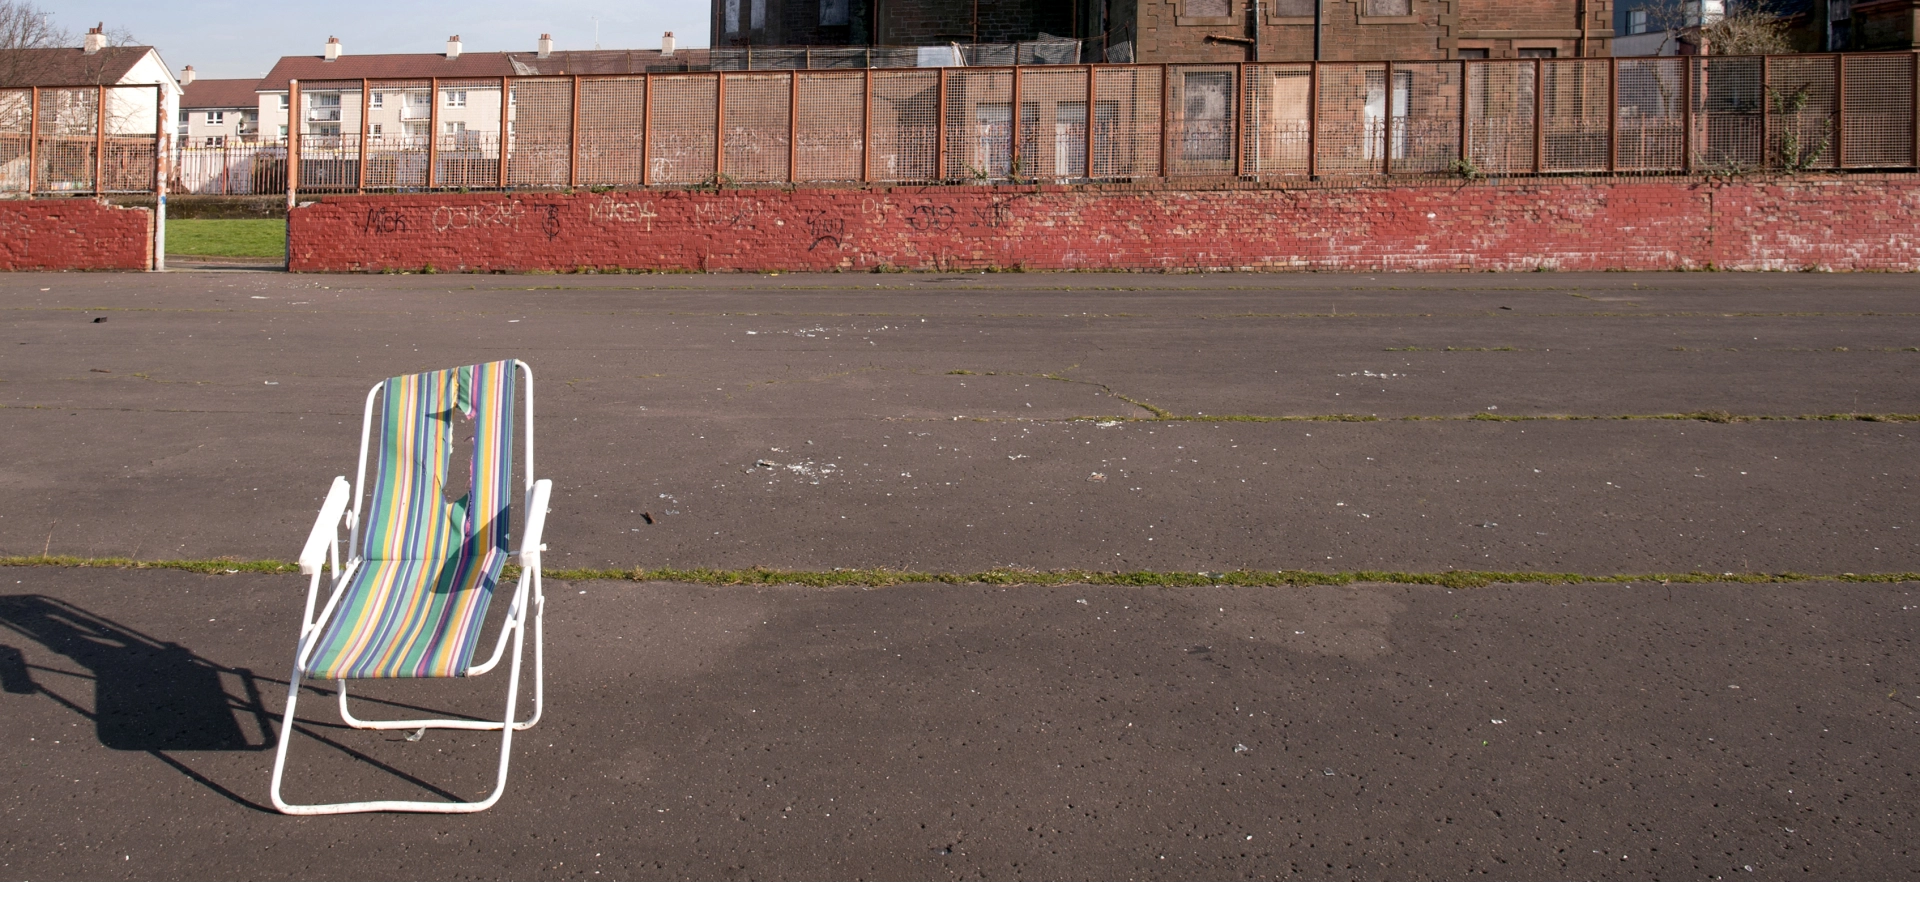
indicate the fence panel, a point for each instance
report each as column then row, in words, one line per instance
column 1202, row 106
column 540, row 132
column 1650, row 121
column 1730, row 102
column 1426, row 119
column 1879, row 111
column 1575, row 115
column 467, row 152
column 1279, row 119
column 832, row 129
column 612, row 131
column 905, row 115
column 1802, row 96
column 16, row 124
column 67, row 139
column 1500, row 116
column 756, row 125
column 1053, row 123
column 979, row 124
column 1127, row 125
column 398, row 126
column 682, row 144
column 1352, row 116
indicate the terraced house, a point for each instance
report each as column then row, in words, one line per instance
column 1188, row 30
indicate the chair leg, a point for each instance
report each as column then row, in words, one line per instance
column 438, row 806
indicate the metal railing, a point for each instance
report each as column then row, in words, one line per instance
column 81, row 139
column 1250, row 121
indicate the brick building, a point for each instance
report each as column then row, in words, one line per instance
column 1189, row 30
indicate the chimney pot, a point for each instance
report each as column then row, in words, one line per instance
column 453, row 47
column 546, row 46
column 333, row 49
column 96, row 39
column 666, row 44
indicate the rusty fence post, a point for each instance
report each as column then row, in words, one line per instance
column 573, row 134
column 866, row 124
column 1466, row 144
column 1166, row 85
column 719, row 126
column 100, row 141
column 433, row 132
column 293, row 142
column 793, row 127
column 506, row 125
column 1386, row 121
column 1093, row 73
column 646, row 130
column 1539, row 115
column 940, row 129
column 33, row 142
column 161, row 154
column 1840, row 111
column 1613, row 114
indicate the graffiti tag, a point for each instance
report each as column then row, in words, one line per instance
column 930, row 217
column 385, row 220
column 828, row 230
column 607, row 209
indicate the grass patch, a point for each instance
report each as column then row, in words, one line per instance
column 251, row 238
column 889, row 577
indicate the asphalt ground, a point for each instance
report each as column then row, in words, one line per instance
column 1605, row 425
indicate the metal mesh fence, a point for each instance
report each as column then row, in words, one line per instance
column 64, row 143
column 16, row 124
column 1574, row 99
column 979, row 124
column 682, row 146
column 831, row 126
column 612, row 138
column 1425, row 124
column 905, row 108
column 1649, row 118
column 1500, row 116
column 912, row 123
column 1730, row 102
column 757, row 126
column 1802, row 99
column 1127, row 123
column 1879, row 107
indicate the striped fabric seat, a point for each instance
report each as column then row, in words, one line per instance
column 430, row 563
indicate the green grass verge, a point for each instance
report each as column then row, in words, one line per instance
column 889, row 577
column 258, row 238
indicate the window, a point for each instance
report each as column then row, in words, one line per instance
column 214, row 140
column 377, row 100
column 1388, row 8
column 1206, row 104
column 732, row 14
column 456, row 99
column 283, row 132
column 1376, row 112
column 1473, row 53
column 1293, row 8
column 283, row 101
column 1539, row 52
column 759, row 10
column 1209, row 9
column 216, row 117
column 833, row 12
column 374, row 129
column 416, row 129
column 1637, row 21
column 453, row 127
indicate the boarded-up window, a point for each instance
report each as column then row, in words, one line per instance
column 733, row 16
column 1389, row 7
column 1293, row 7
column 833, row 12
column 1209, row 9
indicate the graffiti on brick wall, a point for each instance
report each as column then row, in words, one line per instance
column 930, row 217
column 629, row 212
column 830, row 231
column 508, row 215
column 995, row 213
column 385, row 220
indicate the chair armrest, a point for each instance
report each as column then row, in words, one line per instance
column 326, row 529
column 536, row 521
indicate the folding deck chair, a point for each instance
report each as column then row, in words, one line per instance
column 411, row 600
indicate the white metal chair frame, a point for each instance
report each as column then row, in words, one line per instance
column 323, row 543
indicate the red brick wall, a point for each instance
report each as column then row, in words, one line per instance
column 74, row 234
column 1842, row 223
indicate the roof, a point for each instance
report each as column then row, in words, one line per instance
column 385, row 66
column 606, row 62
column 49, row 66
column 220, row 93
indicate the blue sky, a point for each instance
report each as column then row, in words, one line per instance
column 227, row 39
